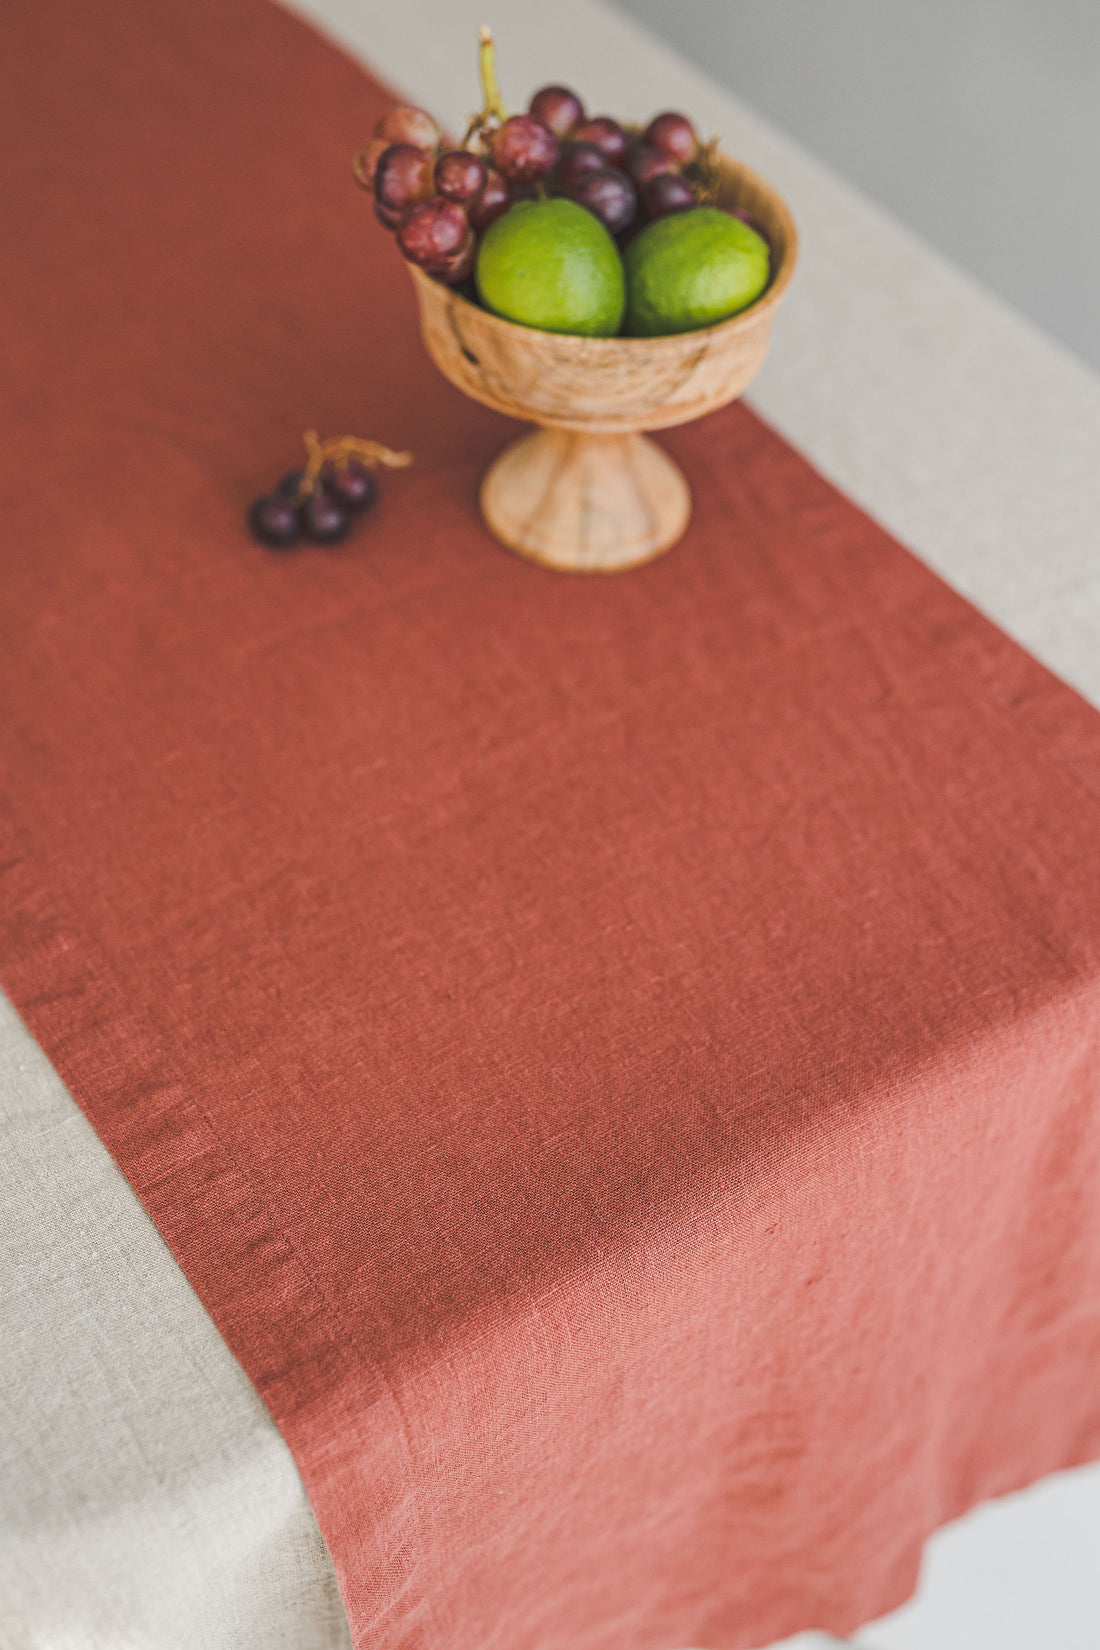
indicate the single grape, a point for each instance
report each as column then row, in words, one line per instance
column 675, row 135
column 646, row 162
column 525, row 150
column 461, row 266
column 607, row 135
column 407, row 124
column 460, row 176
column 609, row 195
column 350, row 485
column 494, row 199
column 669, row 192
column 322, row 519
column 273, row 521
column 432, row 232
column 403, row 175
column 558, row 108
column 575, row 160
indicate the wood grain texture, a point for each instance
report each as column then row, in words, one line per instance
column 602, row 387
column 585, row 503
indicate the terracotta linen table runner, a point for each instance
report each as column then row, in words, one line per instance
column 617, row 1059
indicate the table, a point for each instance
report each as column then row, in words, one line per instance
column 899, row 380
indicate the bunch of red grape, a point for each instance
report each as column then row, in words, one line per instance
column 319, row 501
column 626, row 177
column 436, row 199
column 440, row 199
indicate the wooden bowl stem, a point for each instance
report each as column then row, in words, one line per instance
column 585, row 503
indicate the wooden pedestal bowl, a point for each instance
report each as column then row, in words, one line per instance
column 587, row 492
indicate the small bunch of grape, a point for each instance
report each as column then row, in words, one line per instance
column 624, row 175
column 436, row 199
column 319, row 501
column 440, row 199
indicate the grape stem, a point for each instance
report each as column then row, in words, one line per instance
column 707, row 173
column 487, row 63
column 340, row 451
column 493, row 113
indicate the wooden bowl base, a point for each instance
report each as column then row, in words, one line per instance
column 585, row 502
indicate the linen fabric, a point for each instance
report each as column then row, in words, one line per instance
column 145, row 1497
column 617, row 1060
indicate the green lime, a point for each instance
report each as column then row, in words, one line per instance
column 550, row 264
column 691, row 269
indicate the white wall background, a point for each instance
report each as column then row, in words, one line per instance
column 975, row 121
